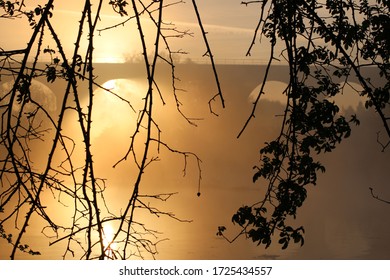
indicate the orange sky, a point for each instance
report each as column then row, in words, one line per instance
column 341, row 218
column 229, row 26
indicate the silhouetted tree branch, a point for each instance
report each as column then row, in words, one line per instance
column 66, row 168
column 324, row 44
column 210, row 55
column 377, row 197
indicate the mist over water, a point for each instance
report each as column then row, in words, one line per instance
column 340, row 217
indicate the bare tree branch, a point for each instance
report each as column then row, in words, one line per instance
column 377, row 197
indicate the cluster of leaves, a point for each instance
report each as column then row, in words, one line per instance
column 23, row 248
column 37, row 12
column 261, row 228
column 374, row 33
column 321, row 53
column 55, row 69
column 4, row 235
column 119, row 6
column 14, row 9
column 23, row 90
column 60, row 69
column 10, row 7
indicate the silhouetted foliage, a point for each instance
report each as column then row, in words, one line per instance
column 326, row 45
column 68, row 171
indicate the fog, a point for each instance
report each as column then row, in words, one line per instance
column 340, row 217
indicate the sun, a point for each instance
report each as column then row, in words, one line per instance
column 108, row 236
column 108, row 241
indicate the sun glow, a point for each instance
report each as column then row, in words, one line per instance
column 110, row 85
column 110, row 59
column 108, row 241
column 117, row 107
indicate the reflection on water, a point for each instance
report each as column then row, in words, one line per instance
column 341, row 219
column 324, row 239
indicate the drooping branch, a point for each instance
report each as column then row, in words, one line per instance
column 210, row 55
column 261, row 92
column 338, row 43
column 311, row 123
column 68, row 170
